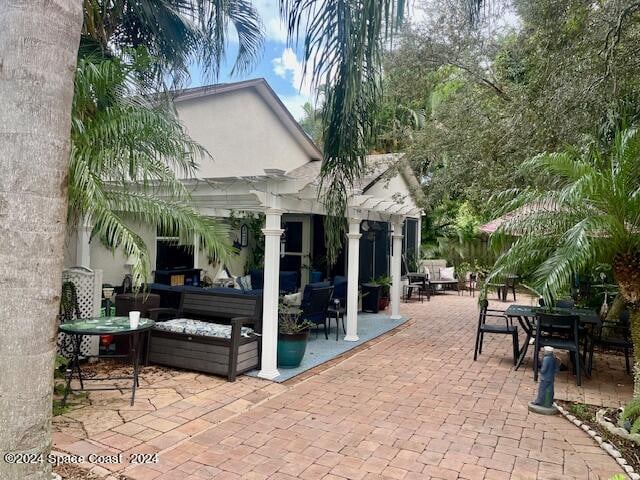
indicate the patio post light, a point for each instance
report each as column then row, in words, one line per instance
column 352, row 279
column 396, row 271
column 272, row 233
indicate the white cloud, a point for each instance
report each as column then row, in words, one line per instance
column 288, row 66
column 274, row 28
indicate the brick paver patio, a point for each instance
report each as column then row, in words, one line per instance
column 411, row 406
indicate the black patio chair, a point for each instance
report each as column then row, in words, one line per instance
column 314, row 306
column 503, row 288
column 614, row 336
column 417, row 282
column 508, row 328
column 560, row 332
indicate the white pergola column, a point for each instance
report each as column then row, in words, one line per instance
column 83, row 243
column 272, row 233
column 353, row 265
column 396, row 268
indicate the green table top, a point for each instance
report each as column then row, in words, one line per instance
column 105, row 326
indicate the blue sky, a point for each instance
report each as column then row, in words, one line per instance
column 279, row 65
column 282, row 67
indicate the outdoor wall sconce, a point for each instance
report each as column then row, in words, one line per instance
column 243, row 241
column 244, row 236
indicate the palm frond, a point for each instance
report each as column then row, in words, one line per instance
column 177, row 33
column 585, row 210
column 128, row 155
column 342, row 45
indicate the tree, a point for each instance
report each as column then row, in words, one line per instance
column 38, row 51
column 585, row 211
column 497, row 95
column 127, row 146
column 311, row 122
column 176, row 33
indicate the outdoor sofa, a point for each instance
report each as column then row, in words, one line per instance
column 211, row 332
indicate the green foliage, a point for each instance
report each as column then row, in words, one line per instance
column 585, row 211
column 128, row 150
column 289, row 320
column 580, row 410
column 496, row 96
column 255, row 224
column 311, row 123
column 60, row 366
column 450, row 231
column 631, row 413
column 385, row 282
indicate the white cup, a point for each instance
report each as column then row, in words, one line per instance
column 134, row 319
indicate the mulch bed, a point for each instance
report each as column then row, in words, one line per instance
column 587, row 414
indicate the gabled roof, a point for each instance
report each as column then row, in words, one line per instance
column 377, row 168
column 270, row 97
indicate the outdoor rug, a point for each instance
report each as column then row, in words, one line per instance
column 320, row 350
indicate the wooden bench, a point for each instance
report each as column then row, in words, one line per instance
column 218, row 355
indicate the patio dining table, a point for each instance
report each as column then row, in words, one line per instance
column 525, row 314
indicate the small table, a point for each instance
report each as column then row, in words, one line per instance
column 105, row 326
column 525, row 313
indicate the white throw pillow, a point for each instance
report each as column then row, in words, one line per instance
column 294, row 299
column 245, row 282
column 447, row 273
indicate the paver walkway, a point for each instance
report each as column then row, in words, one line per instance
column 413, row 406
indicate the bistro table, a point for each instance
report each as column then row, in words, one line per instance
column 525, row 314
column 104, row 326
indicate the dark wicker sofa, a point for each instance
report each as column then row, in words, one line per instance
column 228, row 356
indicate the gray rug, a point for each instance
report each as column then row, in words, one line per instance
column 320, row 350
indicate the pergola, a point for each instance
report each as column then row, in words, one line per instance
column 276, row 193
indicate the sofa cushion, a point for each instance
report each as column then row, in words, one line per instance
column 198, row 327
column 447, row 273
column 288, row 281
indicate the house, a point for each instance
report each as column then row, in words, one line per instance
column 262, row 161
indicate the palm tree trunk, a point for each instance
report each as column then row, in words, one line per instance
column 626, row 270
column 616, row 308
column 38, row 50
column 635, row 338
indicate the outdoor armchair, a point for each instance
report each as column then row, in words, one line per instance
column 561, row 332
column 504, row 326
column 612, row 335
column 315, row 303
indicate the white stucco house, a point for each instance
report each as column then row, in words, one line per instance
column 263, row 161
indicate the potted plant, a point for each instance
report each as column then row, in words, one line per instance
column 385, row 288
column 293, row 335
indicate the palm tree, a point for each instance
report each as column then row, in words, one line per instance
column 587, row 211
column 38, row 48
column 343, row 42
column 176, row 33
column 122, row 138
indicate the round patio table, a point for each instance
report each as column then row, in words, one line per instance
column 104, row 326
